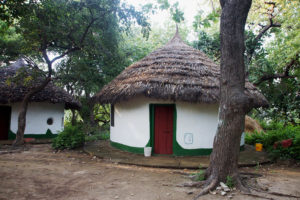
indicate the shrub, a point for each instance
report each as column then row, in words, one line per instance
column 70, row 138
column 281, row 141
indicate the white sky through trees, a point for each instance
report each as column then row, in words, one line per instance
column 189, row 8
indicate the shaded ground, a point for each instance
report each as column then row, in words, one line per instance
column 41, row 174
column 102, row 149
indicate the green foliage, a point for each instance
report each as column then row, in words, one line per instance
column 163, row 4
column 10, row 43
column 229, row 181
column 267, row 55
column 71, row 137
column 135, row 47
column 10, row 10
column 175, row 12
column 273, row 137
column 209, row 44
column 98, row 136
column 199, row 176
column 201, row 22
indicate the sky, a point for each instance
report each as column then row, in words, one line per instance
column 189, row 7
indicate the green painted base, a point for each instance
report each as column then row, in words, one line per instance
column 138, row 150
column 47, row 135
column 177, row 150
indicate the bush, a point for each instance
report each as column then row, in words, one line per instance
column 70, row 138
column 279, row 140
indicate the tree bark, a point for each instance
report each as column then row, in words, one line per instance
column 284, row 75
column 233, row 102
column 22, row 114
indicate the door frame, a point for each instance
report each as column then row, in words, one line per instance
column 9, row 117
column 151, row 112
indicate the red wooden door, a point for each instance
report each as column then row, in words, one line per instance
column 163, row 129
column 5, row 112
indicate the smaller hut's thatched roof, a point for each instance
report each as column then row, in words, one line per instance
column 14, row 93
column 175, row 72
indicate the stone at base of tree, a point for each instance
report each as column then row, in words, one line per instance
column 223, row 193
column 224, row 187
column 213, row 192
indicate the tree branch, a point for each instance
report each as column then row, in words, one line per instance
column 86, row 30
column 264, row 29
column 49, row 63
column 285, row 74
column 65, row 53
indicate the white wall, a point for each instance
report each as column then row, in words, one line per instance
column 36, row 117
column 132, row 125
column 196, row 123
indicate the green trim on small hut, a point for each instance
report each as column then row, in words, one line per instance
column 47, row 135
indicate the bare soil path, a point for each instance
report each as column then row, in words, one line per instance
column 70, row 175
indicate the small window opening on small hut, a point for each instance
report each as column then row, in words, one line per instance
column 50, row 121
column 112, row 115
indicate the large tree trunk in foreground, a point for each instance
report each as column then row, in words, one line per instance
column 233, row 102
column 22, row 114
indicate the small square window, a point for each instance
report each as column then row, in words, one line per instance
column 50, row 121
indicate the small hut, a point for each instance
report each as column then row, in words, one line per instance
column 168, row 101
column 45, row 113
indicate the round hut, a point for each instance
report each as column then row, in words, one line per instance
column 45, row 113
column 167, row 101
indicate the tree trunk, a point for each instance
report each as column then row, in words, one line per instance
column 93, row 122
column 74, row 116
column 233, row 102
column 22, row 114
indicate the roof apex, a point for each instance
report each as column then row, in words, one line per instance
column 176, row 40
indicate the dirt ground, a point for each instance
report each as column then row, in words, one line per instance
column 39, row 173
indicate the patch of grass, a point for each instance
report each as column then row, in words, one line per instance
column 257, row 166
column 229, row 181
column 199, row 176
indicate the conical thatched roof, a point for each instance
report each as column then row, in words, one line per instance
column 51, row 93
column 175, row 72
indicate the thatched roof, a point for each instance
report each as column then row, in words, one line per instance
column 175, row 72
column 14, row 93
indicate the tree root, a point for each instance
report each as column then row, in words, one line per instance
column 256, row 195
column 240, row 185
column 193, row 184
column 251, row 175
column 283, row 195
column 210, row 186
